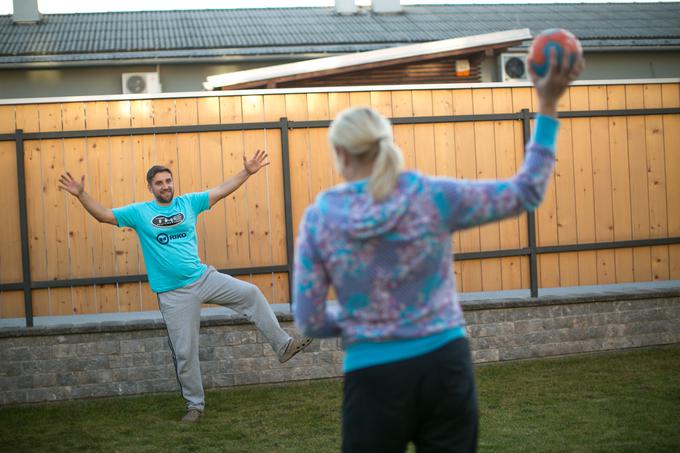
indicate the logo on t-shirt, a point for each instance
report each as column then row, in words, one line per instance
column 163, row 238
column 165, row 221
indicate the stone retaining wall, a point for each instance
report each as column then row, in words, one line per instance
column 107, row 359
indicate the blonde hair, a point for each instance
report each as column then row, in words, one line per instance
column 366, row 134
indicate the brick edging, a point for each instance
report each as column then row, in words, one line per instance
column 225, row 320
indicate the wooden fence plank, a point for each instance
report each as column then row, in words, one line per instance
column 144, row 154
column 466, row 168
column 213, row 221
column 236, row 205
column 671, row 124
column 10, row 243
column 620, row 170
column 281, row 293
column 12, row 304
column 639, row 189
column 321, row 159
column 274, row 109
column 141, row 113
column 124, row 169
column 296, row 110
column 98, row 184
column 445, row 153
column 238, row 237
column 164, row 112
column 602, row 185
column 141, row 151
column 41, row 302
column 188, row 177
column 486, row 161
column 54, row 210
column 360, row 99
column 565, row 195
column 211, row 154
column 149, row 298
column 81, row 247
column 404, row 134
column 265, row 282
column 381, row 101
column 656, row 180
column 337, row 102
column 166, row 144
column 27, row 118
column 107, row 298
column 7, row 119
column 583, row 187
column 425, row 156
column 256, row 186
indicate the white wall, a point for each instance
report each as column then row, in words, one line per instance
column 22, row 83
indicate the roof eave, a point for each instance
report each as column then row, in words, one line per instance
column 357, row 60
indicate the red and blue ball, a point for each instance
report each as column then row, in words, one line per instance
column 559, row 39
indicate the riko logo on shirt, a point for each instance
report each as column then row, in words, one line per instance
column 164, row 221
column 163, row 238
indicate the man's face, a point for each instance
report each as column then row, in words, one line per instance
column 162, row 187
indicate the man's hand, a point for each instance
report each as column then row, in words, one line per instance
column 67, row 183
column 77, row 189
column 555, row 82
column 254, row 165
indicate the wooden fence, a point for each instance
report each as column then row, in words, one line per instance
column 611, row 214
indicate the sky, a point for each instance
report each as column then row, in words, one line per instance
column 85, row 6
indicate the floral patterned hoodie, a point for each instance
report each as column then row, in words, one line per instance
column 390, row 262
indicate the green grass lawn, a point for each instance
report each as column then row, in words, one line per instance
column 622, row 402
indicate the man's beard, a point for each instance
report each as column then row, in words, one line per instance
column 161, row 199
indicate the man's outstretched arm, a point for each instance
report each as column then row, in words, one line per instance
column 250, row 167
column 77, row 189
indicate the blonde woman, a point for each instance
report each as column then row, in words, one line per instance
column 383, row 240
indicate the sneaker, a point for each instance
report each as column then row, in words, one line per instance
column 295, row 345
column 192, row 416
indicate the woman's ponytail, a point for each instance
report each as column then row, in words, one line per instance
column 386, row 168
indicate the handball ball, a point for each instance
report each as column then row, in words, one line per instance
column 555, row 38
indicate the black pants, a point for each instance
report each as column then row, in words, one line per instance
column 429, row 400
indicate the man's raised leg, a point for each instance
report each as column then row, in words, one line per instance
column 247, row 299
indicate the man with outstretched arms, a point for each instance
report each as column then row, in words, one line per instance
column 166, row 227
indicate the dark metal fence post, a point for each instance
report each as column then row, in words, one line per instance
column 531, row 218
column 23, row 226
column 287, row 205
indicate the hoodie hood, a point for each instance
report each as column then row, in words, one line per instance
column 351, row 207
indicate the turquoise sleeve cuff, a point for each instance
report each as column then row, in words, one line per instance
column 545, row 133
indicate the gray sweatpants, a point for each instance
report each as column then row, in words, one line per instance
column 181, row 310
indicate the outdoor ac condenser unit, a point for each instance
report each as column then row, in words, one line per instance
column 141, row 82
column 513, row 67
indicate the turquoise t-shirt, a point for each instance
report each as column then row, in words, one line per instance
column 167, row 235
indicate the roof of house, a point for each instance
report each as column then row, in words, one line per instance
column 298, row 31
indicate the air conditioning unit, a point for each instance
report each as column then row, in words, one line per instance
column 141, row 82
column 513, row 67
